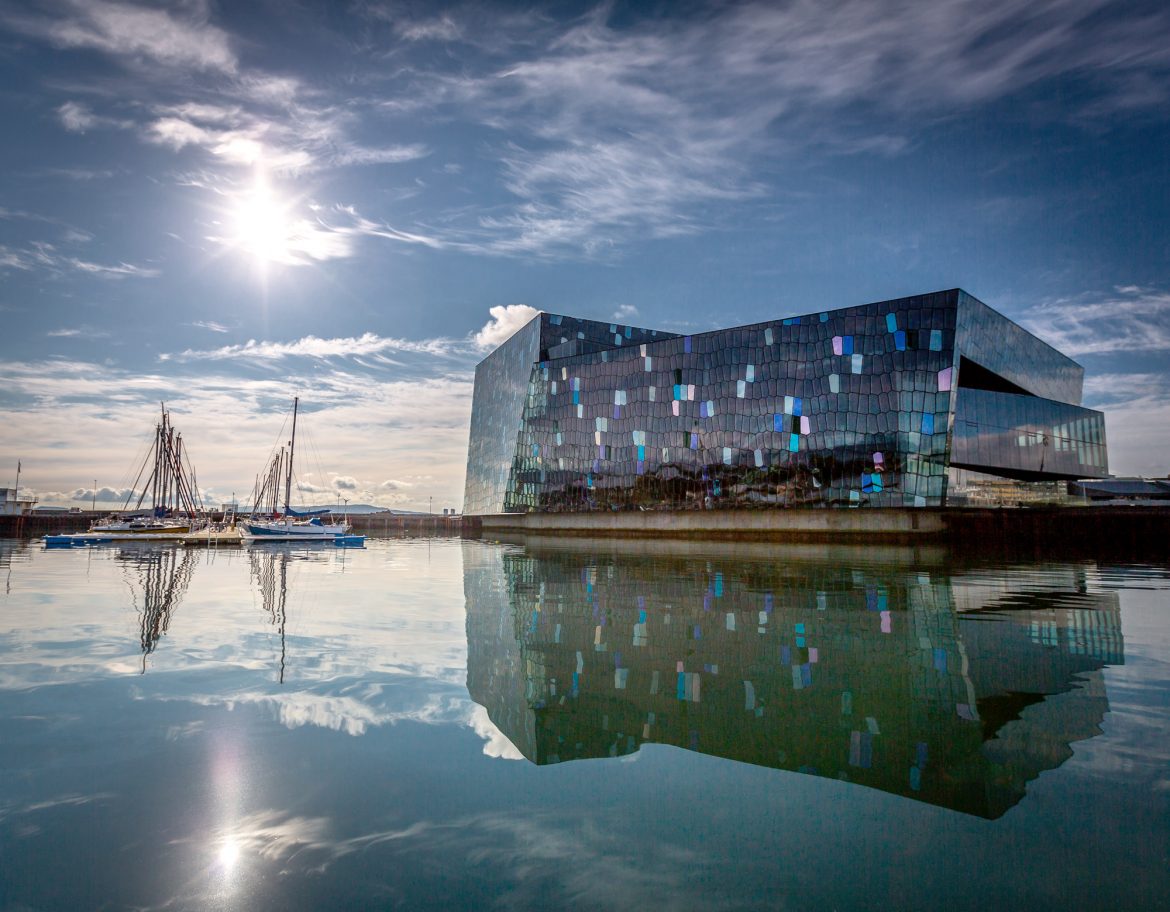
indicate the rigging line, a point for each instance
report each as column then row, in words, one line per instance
column 141, row 469
column 315, row 456
column 282, row 436
column 139, row 459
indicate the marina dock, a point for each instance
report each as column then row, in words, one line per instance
column 212, row 538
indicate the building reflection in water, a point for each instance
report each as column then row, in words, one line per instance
column 158, row 578
column 894, row 670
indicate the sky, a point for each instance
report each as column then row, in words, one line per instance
column 221, row 206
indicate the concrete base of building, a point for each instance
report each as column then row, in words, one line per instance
column 1119, row 532
column 751, row 524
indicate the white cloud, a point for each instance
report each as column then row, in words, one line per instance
column 177, row 133
column 210, row 325
column 625, row 313
column 76, row 117
column 105, row 495
column 505, row 320
column 136, row 33
column 345, row 483
column 385, row 155
column 78, row 332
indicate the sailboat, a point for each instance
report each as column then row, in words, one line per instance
column 174, row 498
column 282, row 523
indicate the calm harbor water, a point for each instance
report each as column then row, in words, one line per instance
column 427, row 724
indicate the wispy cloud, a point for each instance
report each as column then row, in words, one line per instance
column 1137, row 414
column 44, row 256
column 605, row 129
column 632, row 129
column 442, row 28
column 1132, row 319
column 182, row 37
column 314, row 347
column 210, row 325
column 78, row 332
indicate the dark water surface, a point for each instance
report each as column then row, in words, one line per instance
column 591, row 725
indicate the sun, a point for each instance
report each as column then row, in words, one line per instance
column 263, row 226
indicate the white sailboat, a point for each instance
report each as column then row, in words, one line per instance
column 285, row 524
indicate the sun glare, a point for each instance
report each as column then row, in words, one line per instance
column 263, row 227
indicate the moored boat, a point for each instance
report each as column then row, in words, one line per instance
column 281, row 523
column 168, row 502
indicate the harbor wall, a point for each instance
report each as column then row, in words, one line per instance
column 1116, row 531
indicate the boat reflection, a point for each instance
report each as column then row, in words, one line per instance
column 895, row 670
column 269, row 572
column 269, row 565
column 158, row 578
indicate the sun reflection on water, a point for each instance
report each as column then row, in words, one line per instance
column 229, row 854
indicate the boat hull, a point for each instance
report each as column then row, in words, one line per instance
column 293, row 532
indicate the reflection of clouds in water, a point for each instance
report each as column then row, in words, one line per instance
column 553, row 865
column 1136, row 725
column 271, row 835
column 496, row 743
column 354, row 711
column 1136, row 747
column 49, row 804
column 36, row 665
column 547, row 861
column 188, row 730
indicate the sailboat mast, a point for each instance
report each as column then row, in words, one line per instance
column 291, row 445
column 154, row 476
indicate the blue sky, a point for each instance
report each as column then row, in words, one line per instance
column 226, row 205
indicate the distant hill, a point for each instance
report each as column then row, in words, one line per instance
column 352, row 509
column 359, row 508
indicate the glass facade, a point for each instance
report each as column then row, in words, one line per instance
column 853, row 407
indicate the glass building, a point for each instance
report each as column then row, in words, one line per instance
column 865, row 406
